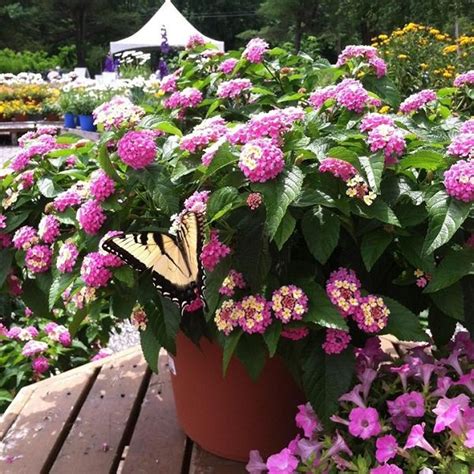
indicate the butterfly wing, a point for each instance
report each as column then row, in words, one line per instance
column 173, row 260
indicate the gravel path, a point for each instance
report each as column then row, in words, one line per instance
column 7, row 152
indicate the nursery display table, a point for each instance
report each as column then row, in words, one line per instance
column 13, row 129
column 109, row 416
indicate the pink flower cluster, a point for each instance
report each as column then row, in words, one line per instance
column 254, row 201
column 195, row 40
column 67, row 199
column 389, row 139
column 294, row 333
column 344, row 290
column 28, row 137
column 336, row 341
column 462, row 145
column 197, row 202
column 255, row 50
column 94, row 271
column 58, row 333
column 289, row 303
column 48, row 229
column 465, row 79
column 261, row 160
column 91, row 217
column 373, row 120
column 459, row 180
column 101, row 186
column 137, row 148
column 233, row 88
column 416, row 101
column 232, row 281
column 38, row 147
column 368, row 53
column 25, row 237
column 67, row 257
column 213, row 252
column 169, row 83
column 228, row 65
column 38, row 258
column 467, row 127
column 33, row 348
column 120, row 112
column 187, row 98
column 338, row 168
column 208, row 131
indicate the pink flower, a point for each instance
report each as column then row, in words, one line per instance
column 261, row 160
column 459, row 181
column 195, row 40
column 368, row 53
column 386, row 469
column 102, row 354
column 38, row 258
column 386, row 448
column 26, row 180
column 336, row 341
column 228, row 65
column 254, row 200
column 197, row 202
column 465, row 79
column 364, row 422
column 67, row 257
column 232, row 281
column 59, row 334
column 354, row 396
column 289, row 303
column 32, row 348
column 416, row 438
column 93, row 270
column 255, row 464
column 120, row 112
column 343, row 289
column 416, row 101
column 338, row 445
column 255, row 50
column 137, row 148
column 213, row 252
column 25, row 237
column 282, row 463
column 48, row 229
column 411, row 404
column 3, row 221
column 467, row 127
column 195, row 305
column 227, row 316
column 40, row 365
column 208, row 131
column 379, row 65
column 389, row 139
column 5, row 240
column 101, row 185
column 469, row 441
column 294, row 334
column 168, row 83
column 371, row 314
column 448, row 411
column 373, row 120
column 91, row 217
column 233, row 88
column 67, row 199
column 307, row 420
column 351, row 94
column 254, row 314
column 467, row 380
column 189, row 97
column 321, row 95
column 338, row 168
column 462, row 145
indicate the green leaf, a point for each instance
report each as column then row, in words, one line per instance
column 446, row 216
column 455, row 265
column 165, row 196
column 126, row 275
column 168, row 127
column 252, row 355
column 373, row 167
column 6, row 260
column 150, row 343
column 230, row 344
column 285, row 231
column 104, row 162
column 223, row 158
column 278, row 194
column 424, row 159
column 35, row 299
column 326, row 378
column 450, row 301
column 320, row 309
column 171, row 317
column 411, row 249
column 214, row 281
column 272, row 336
column 122, row 304
column 5, row 396
column 220, row 202
column 402, row 323
column 441, row 326
column 80, row 315
column 373, row 246
column 321, row 232
column 345, row 154
column 379, row 210
column 59, row 285
column 14, row 221
column 47, row 188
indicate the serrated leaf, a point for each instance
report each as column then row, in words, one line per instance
column 379, row 210
column 373, row 167
column 278, row 194
column 230, row 344
column 126, row 275
column 424, row 159
column 403, row 323
column 446, row 216
column 220, row 202
column 326, row 378
column 373, row 246
column 285, row 231
column 455, row 265
column 321, row 232
column 59, row 285
column 450, row 301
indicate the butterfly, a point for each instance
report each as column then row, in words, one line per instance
column 173, row 260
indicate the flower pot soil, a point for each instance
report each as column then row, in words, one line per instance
column 229, row 416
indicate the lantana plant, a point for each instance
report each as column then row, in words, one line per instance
column 327, row 221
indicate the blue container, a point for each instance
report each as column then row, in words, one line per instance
column 87, row 123
column 69, row 120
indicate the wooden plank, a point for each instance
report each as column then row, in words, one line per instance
column 39, row 425
column 158, row 444
column 95, row 439
column 203, row 462
column 14, row 409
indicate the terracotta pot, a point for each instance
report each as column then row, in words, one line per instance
column 52, row 117
column 231, row 416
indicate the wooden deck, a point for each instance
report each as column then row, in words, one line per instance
column 110, row 416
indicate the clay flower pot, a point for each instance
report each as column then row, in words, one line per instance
column 231, row 416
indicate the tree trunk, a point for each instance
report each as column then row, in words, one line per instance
column 298, row 35
column 81, row 36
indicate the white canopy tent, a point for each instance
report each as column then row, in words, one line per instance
column 178, row 31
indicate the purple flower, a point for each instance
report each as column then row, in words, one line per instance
column 386, row 469
column 411, row 404
column 354, row 396
column 255, row 50
column 338, row 445
column 386, row 448
column 469, row 441
column 307, row 448
column 443, row 385
column 255, row 464
column 467, row 380
column 307, row 420
column 32, row 348
column 91, row 217
column 364, row 422
column 282, row 463
column 40, row 365
column 459, row 180
column 416, row 438
column 367, row 377
column 448, row 411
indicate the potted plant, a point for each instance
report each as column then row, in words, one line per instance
column 325, row 222
column 65, row 102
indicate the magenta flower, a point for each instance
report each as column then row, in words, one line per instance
column 448, row 411
column 255, row 464
column 354, row 396
column 373, row 120
column 351, row 94
column 465, row 79
column 67, row 199
column 197, row 202
column 467, row 126
column 336, row 341
column 386, row 469
column 416, row 438
column 289, row 303
column 386, row 448
column 338, row 445
column 282, row 463
column 261, row 160
column 137, row 148
column 3, row 221
column 389, row 139
column 102, row 354
column 307, row 448
column 25, row 237
column 462, row 145
column 403, row 372
column 101, row 185
column 411, row 404
column 307, row 420
column 372, row 314
column 469, row 441
column 367, row 377
column 232, row 281
column 443, row 384
column 459, row 180
column 254, row 200
column 254, row 314
column 38, row 258
column 187, row 98
column 48, row 229
column 67, row 257
column 338, row 168
column 416, row 101
column 255, row 50
column 467, row 380
column 227, row 316
column 168, row 83
column 343, row 289
column 33, row 348
column 294, row 334
column 195, row 40
column 213, row 251
column 208, row 131
column 91, row 217
column 120, row 112
column 321, row 95
column 233, row 88
column 93, row 270
column 228, row 65
column 364, row 422
column 40, row 365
